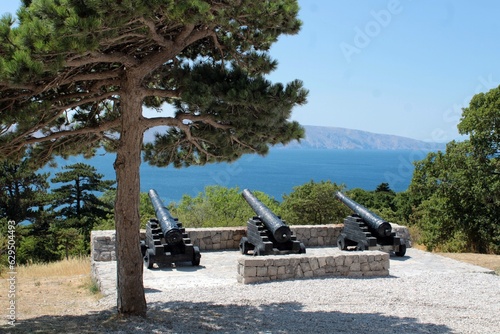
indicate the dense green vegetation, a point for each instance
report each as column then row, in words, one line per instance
column 455, row 195
column 51, row 225
column 76, row 76
column 452, row 204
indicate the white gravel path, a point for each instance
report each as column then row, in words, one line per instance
column 425, row 293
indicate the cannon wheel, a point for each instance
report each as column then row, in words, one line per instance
column 148, row 259
column 361, row 246
column 244, row 245
column 401, row 251
column 144, row 248
column 196, row 256
column 341, row 244
column 302, row 249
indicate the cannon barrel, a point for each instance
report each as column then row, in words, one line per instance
column 274, row 224
column 382, row 228
column 171, row 232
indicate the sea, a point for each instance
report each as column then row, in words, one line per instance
column 275, row 174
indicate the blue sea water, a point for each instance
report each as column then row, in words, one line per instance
column 275, row 174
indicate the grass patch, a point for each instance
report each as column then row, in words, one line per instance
column 90, row 284
column 70, row 267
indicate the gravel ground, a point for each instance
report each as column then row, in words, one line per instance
column 425, row 293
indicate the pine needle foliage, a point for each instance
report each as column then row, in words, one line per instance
column 75, row 75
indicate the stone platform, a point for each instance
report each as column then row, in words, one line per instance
column 322, row 262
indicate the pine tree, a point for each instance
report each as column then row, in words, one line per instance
column 75, row 202
column 75, row 75
column 23, row 192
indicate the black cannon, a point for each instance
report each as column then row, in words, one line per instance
column 267, row 233
column 364, row 230
column 166, row 240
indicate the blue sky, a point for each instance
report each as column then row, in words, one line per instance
column 398, row 67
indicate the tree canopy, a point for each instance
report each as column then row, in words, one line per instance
column 314, row 203
column 218, row 206
column 75, row 75
column 456, row 194
column 64, row 67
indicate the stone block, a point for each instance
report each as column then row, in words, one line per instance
column 250, row 280
column 285, row 276
column 330, row 261
column 262, row 272
column 355, row 274
column 299, row 272
column 320, row 241
column 104, row 256
column 249, row 272
column 308, row 274
column 365, row 267
column 313, row 263
column 252, row 261
column 322, row 261
column 355, row 267
column 314, row 233
column 376, row 266
column 305, row 266
column 281, row 262
column 319, row 272
column 281, row 271
column 330, row 269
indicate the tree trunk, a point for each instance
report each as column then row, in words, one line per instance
column 131, row 297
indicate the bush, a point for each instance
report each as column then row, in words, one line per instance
column 218, row 206
column 314, row 203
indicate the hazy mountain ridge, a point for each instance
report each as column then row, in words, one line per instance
column 333, row 138
column 323, row 137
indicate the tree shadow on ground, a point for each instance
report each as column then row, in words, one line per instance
column 189, row 317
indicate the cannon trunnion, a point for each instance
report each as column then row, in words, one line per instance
column 267, row 233
column 166, row 240
column 364, row 230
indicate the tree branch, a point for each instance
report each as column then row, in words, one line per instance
column 160, row 92
column 178, row 121
column 97, row 57
column 154, row 34
column 161, row 57
column 66, row 133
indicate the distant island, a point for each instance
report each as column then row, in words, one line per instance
column 333, row 138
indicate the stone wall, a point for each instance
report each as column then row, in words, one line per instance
column 280, row 267
column 222, row 238
column 317, row 235
column 102, row 245
column 229, row 237
column 216, row 238
column 219, row 238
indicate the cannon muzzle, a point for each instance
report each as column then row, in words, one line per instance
column 380, row 226
column 274, row 224
column 171, row 232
